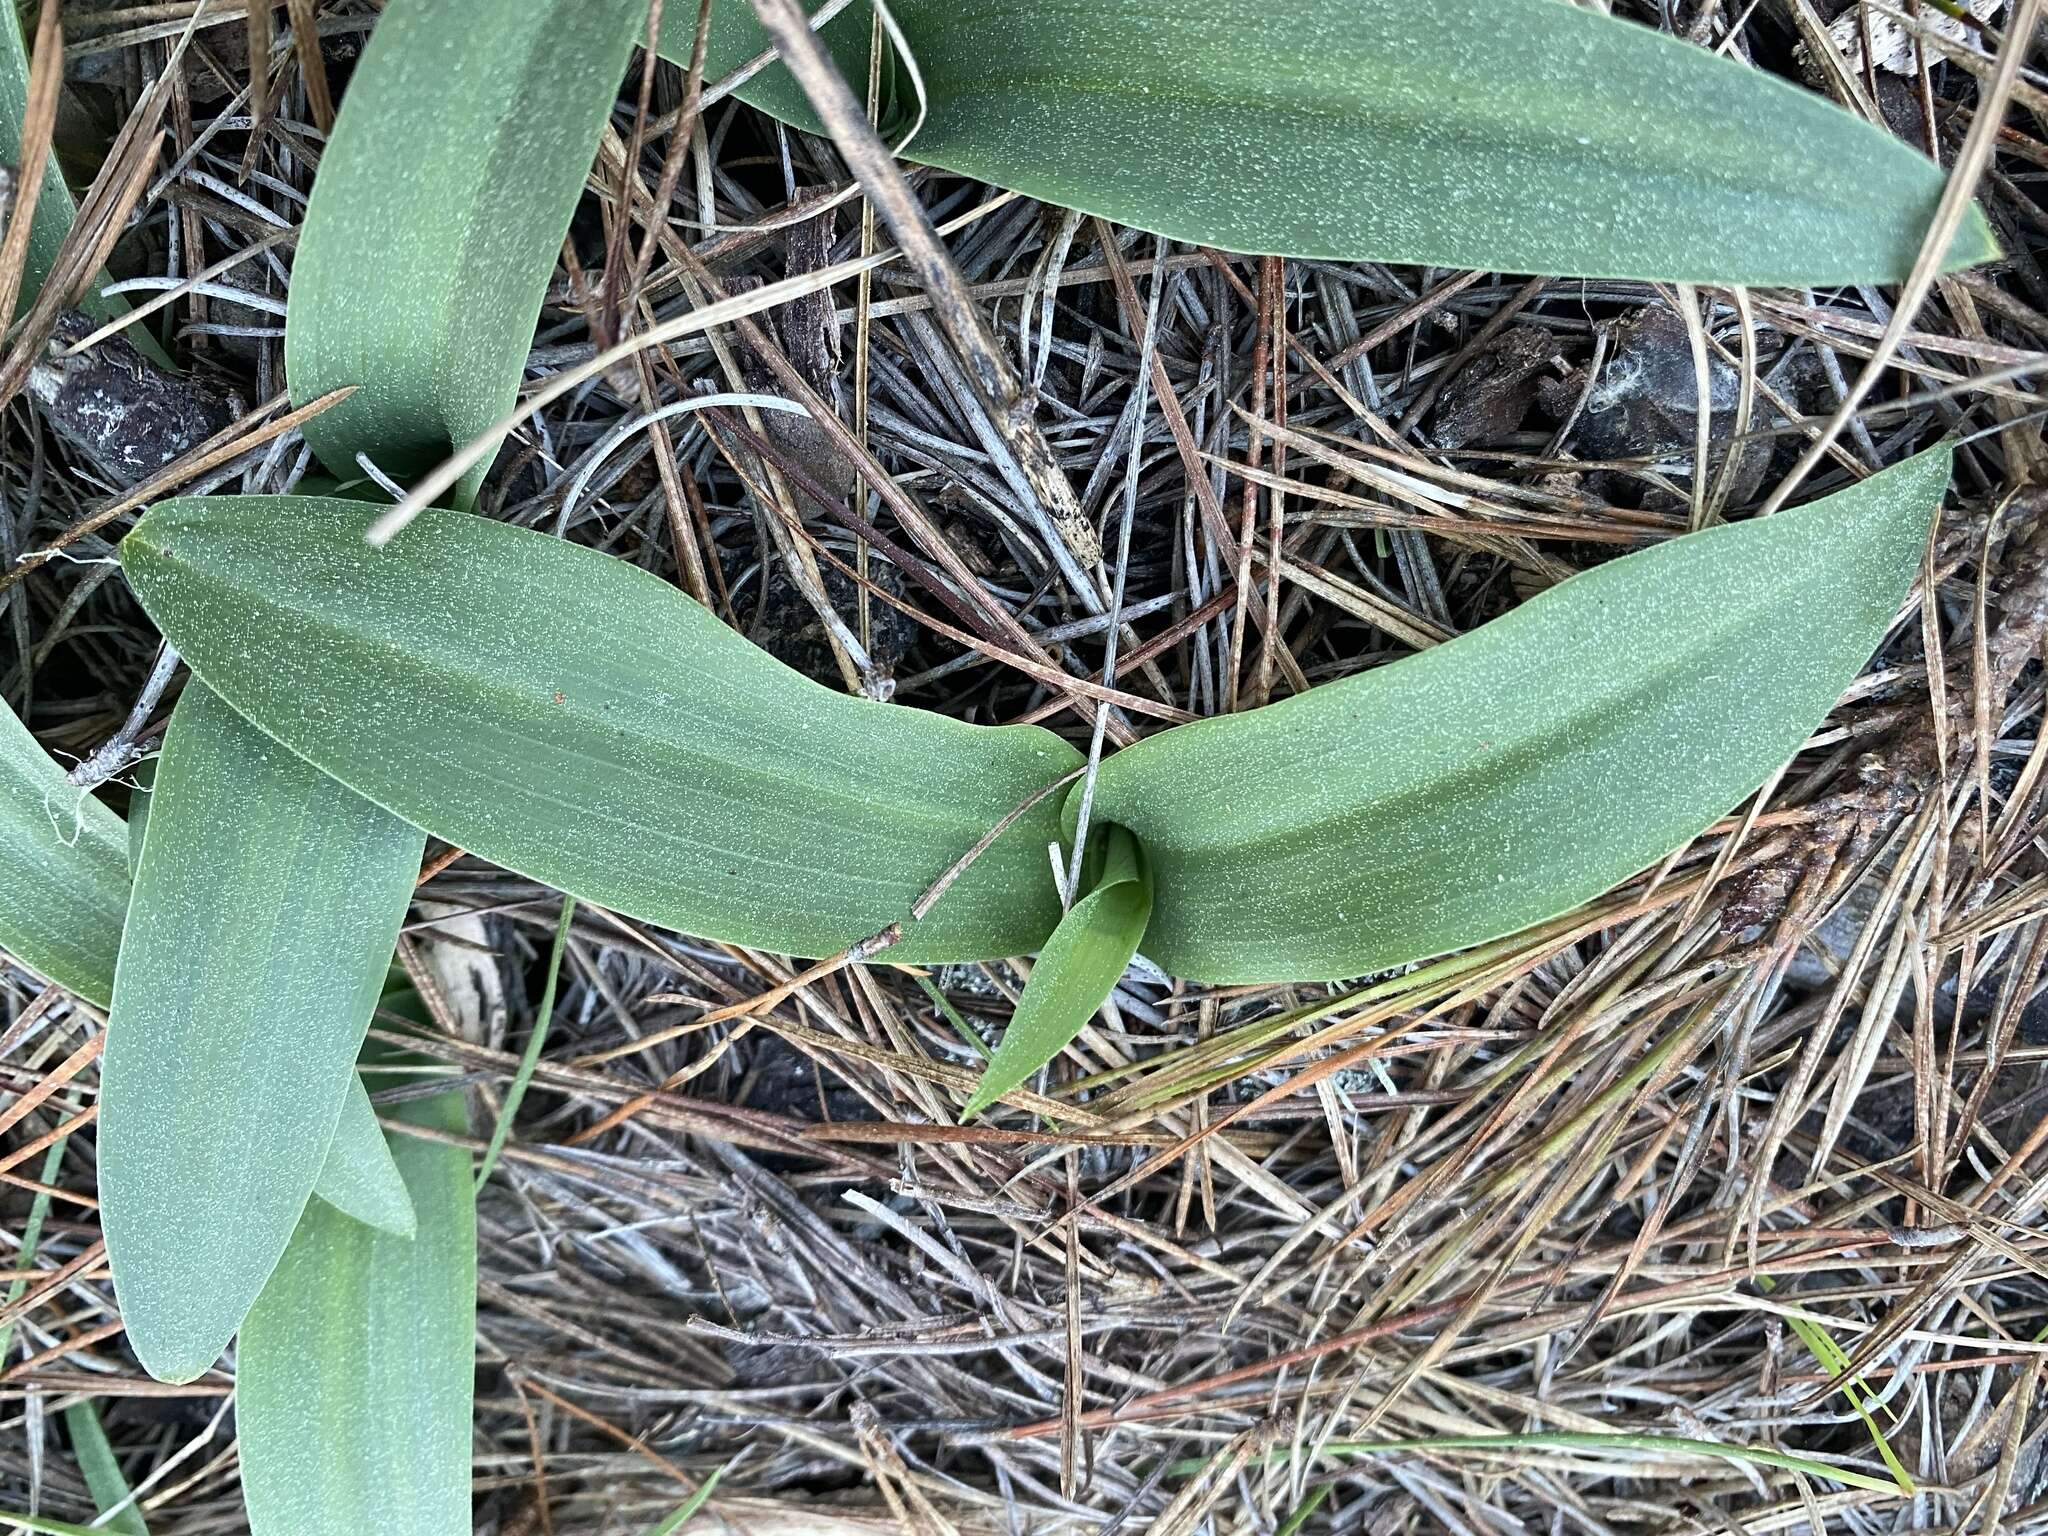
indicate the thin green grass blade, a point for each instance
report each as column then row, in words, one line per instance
column 259, row 934
column 1835, row 1361
column 32, row 1236
column 1516, row 135
column 572, row 717
column 101, row 1470
column 1498, row 780
column 359, row 1177
column 39, row 1526
column 535, row 1042
column 63, row 868
column 1075, row 971
column 671, row 1523
column 355, row 1367
column 438, row 215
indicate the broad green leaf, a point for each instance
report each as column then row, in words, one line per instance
column 354, row 1372
column 572, row 717
column 438, row 215
column 63, row 868
column 1481, row 786
column 359, row 1177
column 1517, row 135
column 1075, row 971
column 100, row 1467
column 259, row 934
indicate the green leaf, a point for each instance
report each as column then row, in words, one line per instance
column 1075, row 971
column 99, row 1466
column 438, row 215
column 1486, row 784
column 355, row 1367
column 1517, row 135
column 359, row 1177
column 567, row 715
column 63, row 868
column 259, row 934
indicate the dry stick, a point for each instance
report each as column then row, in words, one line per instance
column 170, row 296
column 1148, row 352
column 256, row 32
column 39, row 121
column 1003, row 394
column 678, row 155
column 1044, row 671
column 1255, row 421
column 312, row 66
column 723, row 312
column 230, row 442
column 1956, row 197
column 854, row 954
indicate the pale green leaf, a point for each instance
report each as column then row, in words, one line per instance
column 355, row 1367
column 570, row 716
column 1517, row 135
column 359, row 1177
column 1079, row 965
column 264, row 912
column 100, row 1468
column 1486, row 784
column 63, row 868
column 438, row 215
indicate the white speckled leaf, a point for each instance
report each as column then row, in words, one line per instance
column 1483, row 785
column 63, row 870
column 355, row 1369
column 438, row 214
column 1516, row 135
column 359, row 1177
column 573, row 717
column 259, row 934
column 1079, row 965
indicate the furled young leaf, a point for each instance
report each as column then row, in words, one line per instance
column 1075, row 971
column 63, row 868
column 570, row 716
column 1492, row 782
column 1518, row 135
column 359, row 1177
column 259, row 933
column 438, row 215
column 354, row 1371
